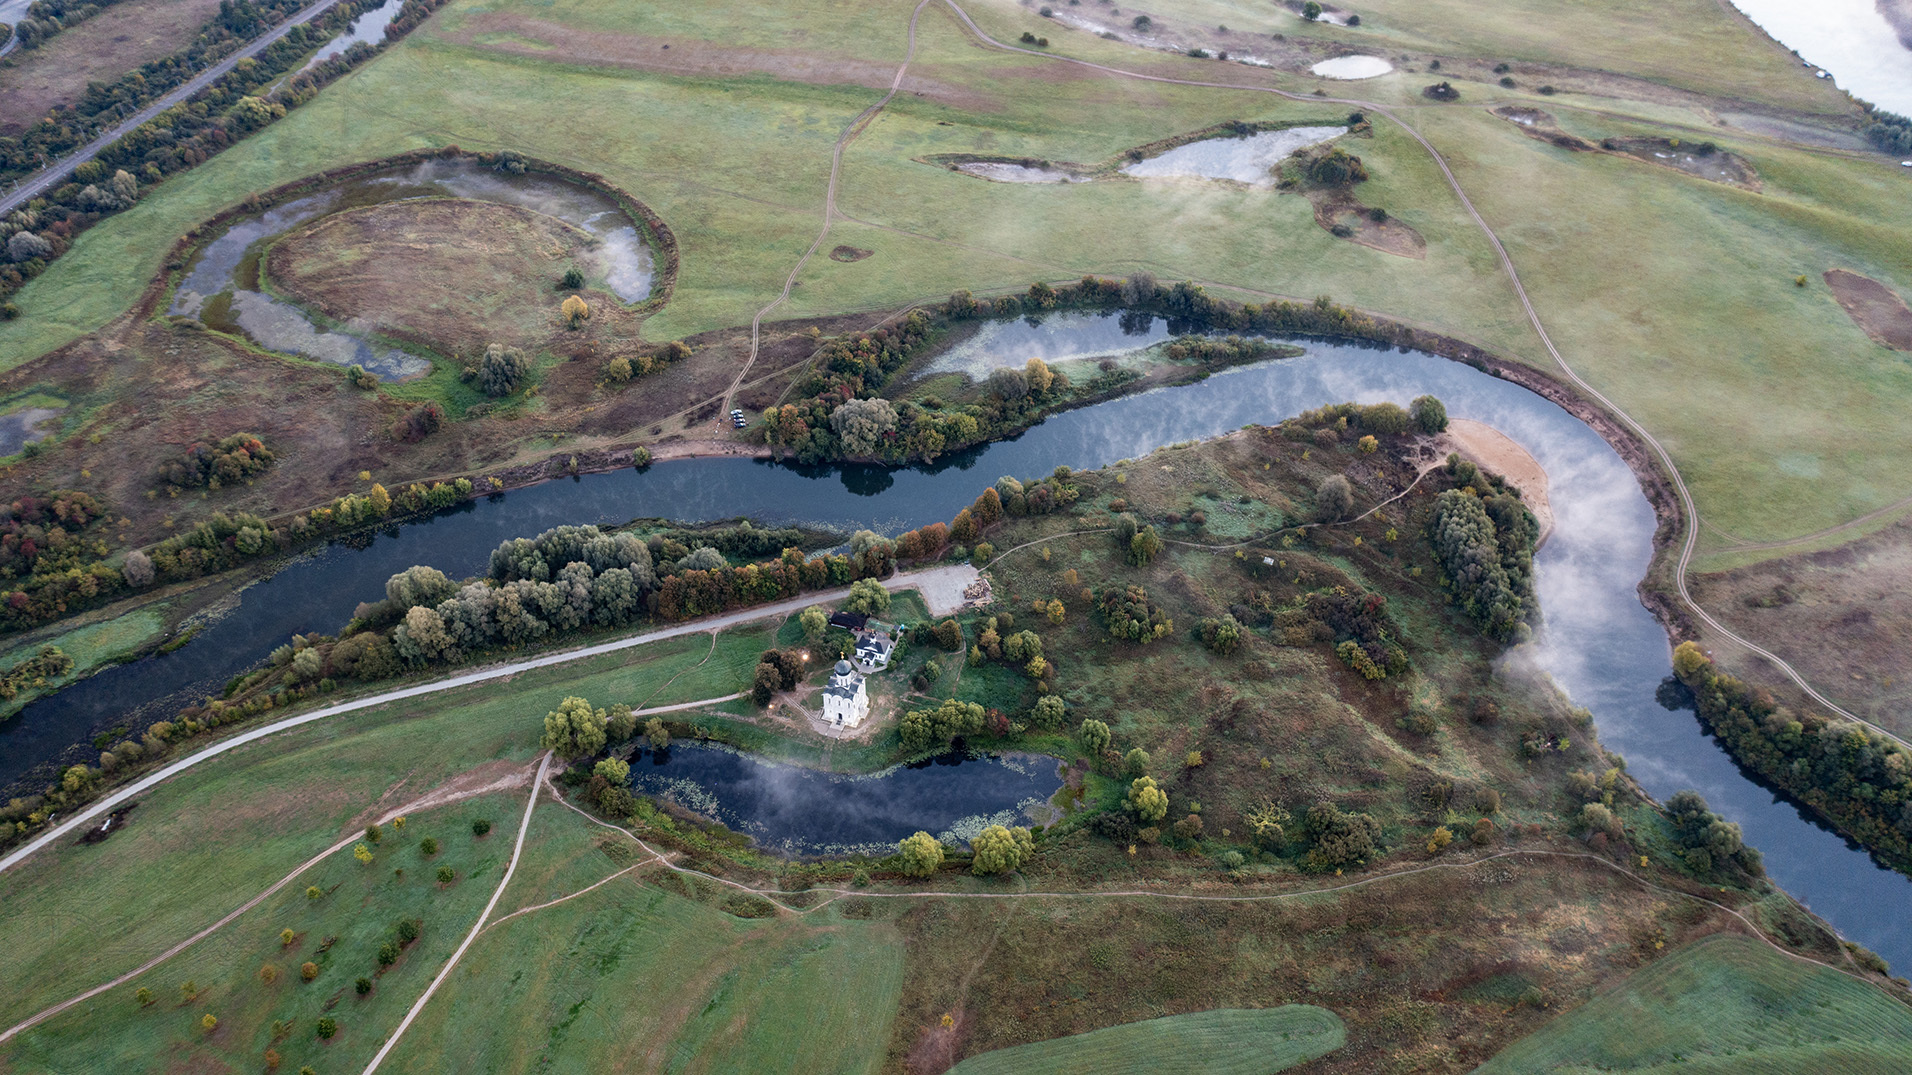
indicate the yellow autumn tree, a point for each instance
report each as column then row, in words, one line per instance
column 575, row 310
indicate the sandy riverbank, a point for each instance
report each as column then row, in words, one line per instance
column 1495, row 451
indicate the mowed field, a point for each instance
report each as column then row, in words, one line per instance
column 1226, row 1042
column 1727, row 1004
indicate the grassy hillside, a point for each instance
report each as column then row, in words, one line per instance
column 1727, row 1004
column 1204, row 1043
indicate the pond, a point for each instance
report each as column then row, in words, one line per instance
column 1249, row 160
column 808, row 812
column 1350, row 68
column 1598, row 643
column 1018, row 173
column 27, row 424
column 221, row 285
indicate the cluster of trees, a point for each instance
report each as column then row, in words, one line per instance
column 49, row 562
column 1485, row 546
column 233, row 459
column 50, row 663
column 1365, row 637
column 500, row 371
column 1856, row 778
column 1227, row 349
column 922, row 728
column 183, row 136
column 624, row 367
column 418, row 422
column 1339, row 839
column 1140, row 544
column 1130, row 615
column 777, row 670
column 604, row 580
column 1891, row 132
column 48, row 17
column 1337, row 168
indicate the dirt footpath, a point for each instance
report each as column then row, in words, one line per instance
column 1496, row 452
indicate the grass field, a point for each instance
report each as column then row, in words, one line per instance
column 651, row 976
column 195, row 848
column 1226, row 1042
column 1726, row 1004
column 341, row 932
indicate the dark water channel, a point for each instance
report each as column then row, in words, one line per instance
column 807, row 812
column 1599, row 644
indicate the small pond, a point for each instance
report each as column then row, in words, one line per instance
column 1018, row 173
column 221, row 285
column 1352, row 67
column 24, row 425
column 809, row 812
column 1247, row 160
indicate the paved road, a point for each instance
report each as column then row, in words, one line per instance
column 910, row 580
column 53, row 176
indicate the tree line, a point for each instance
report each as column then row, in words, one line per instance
column 234, row 106
column 1854, row 777
column 1483, row 539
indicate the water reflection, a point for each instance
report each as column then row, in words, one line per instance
column 808, row 812
column 1247, row 160
column 1850, row 38
column 1598, row 643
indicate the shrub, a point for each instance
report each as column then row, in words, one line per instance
column 446, row 875
column 363, row 986
column 327, row 1026
column 308, row 971
column 921, row 854
column 998, row 850
column 572, row 279
column 1429, row 414
column 1335, row 499
column 1337, row 168
column 480, row 827
column 227, row 462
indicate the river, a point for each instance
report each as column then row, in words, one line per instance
column 1599, row 643
column 1851, row 39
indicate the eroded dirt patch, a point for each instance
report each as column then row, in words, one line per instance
column 1339, row 211
column 1540, row 125
column 1874, row 307
column 850, row 253
column 518, row 35
column 1701, row 159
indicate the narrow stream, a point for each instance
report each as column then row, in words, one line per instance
column 1599, row 643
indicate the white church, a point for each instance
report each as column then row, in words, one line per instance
column 846, row 701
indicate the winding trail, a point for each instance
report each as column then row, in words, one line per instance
column 856, row 127
column 524, row 826
column 770, row 894
column 1689, row 510
column 436, row 797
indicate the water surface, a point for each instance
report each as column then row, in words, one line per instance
column 368, row 28
column 1598, row 643
column 1018, row 173
column 1352, row 67
column 808, row 812
column 1849, row 38
column 1247, row 160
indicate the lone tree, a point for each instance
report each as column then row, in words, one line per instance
column 574, row 729
column 1149, row 802
column 1334, row 499
column 502, row 369
column 815, row 621
column 999, row 850
column 1429, row 413
column 575, row 310
column 868, row 595
column 573, row 280
column 1094, row 736
column 921, row 854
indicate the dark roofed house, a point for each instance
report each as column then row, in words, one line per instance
column 849, row 621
